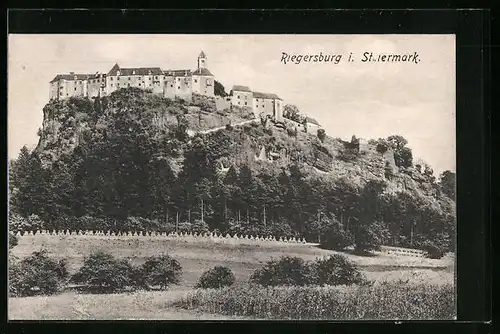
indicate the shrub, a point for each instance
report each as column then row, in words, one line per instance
column 103, row 273
column 382, row 146
column 160, row 271
column 335, row 236
column 13, row 241
column 433, row 251
column 37, row 274
column 285, row 271
column 336, row 270
column 216, row 278
column 321, row 134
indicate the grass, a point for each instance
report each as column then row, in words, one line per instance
column 394, row 300
column 195, row 257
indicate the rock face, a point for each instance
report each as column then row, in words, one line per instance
column 69, row 123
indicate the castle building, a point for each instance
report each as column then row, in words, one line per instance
column 267, row 104
column 172, row 83
column 169, row 83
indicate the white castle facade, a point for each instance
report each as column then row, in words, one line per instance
column 179, row 83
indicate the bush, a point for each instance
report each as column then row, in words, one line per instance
column 321, row 134
column 334, row 235
column 433, row 251
column 160, row 271
column 285, row 271
column 37, row 274
column 336, row 270
column 13, row 241
column 382, row 146
column 103, row 273
column 216, row 278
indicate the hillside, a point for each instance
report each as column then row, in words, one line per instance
column 135, row 154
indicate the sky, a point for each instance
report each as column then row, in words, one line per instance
column 366, row 99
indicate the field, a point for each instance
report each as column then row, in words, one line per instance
column 195, row 256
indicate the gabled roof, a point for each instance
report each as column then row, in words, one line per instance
column 202, row 55
column 272, row 96
column 202, row 71
column 311, row 120
column 178, row 73
column 135, row 70
column 238, row 88
column 71, row 76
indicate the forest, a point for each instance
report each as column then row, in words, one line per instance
column 128, row 174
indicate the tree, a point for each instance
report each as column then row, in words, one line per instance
column 160, row 271
column 102, row 272
column 216, row 278
column 402, row 154
column 291, row 112
column 447, row 183
column 219, row 89
column 37, row 274
column 321, row 134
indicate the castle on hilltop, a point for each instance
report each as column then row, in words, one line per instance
column 181, row 83
column 170, row 83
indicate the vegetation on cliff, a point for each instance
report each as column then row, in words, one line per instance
column 129, row 155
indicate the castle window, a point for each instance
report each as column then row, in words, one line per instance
column 171, row 85
column 128, row 78
column 179, row 87
column 75, row 89
column 139, row 85
column 238, row 96
column 238, row 102
column 111, row 78
column 111, row 85
column 195, row 80
column 245, row 103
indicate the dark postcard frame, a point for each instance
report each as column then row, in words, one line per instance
column 473, row 151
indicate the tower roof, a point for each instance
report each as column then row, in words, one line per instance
column 202, row 55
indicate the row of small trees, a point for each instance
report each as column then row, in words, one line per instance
column 102, row 272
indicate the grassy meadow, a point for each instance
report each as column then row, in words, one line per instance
column 198, row 255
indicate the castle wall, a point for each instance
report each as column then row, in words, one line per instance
column 242, row 99
column 222, row 103
column 203, row 85
column 268, row 107
column 54, row 90
column 312, row 128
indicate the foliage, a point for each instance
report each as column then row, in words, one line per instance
column 13, row 240
column 447, row 182
column 104, row 273
column 285, row 271
column 131, row 173
column 291, row 112
column 37, row 274
column 402, row 154
column 382, row 146
column 160, row 271
column 386, row 301
column 334, row 235
column 321, row 134
column 216, row 278
column 336, row 270
column 219, row 89
column 433, row 251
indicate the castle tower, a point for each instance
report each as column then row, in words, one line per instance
column 202, row 60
